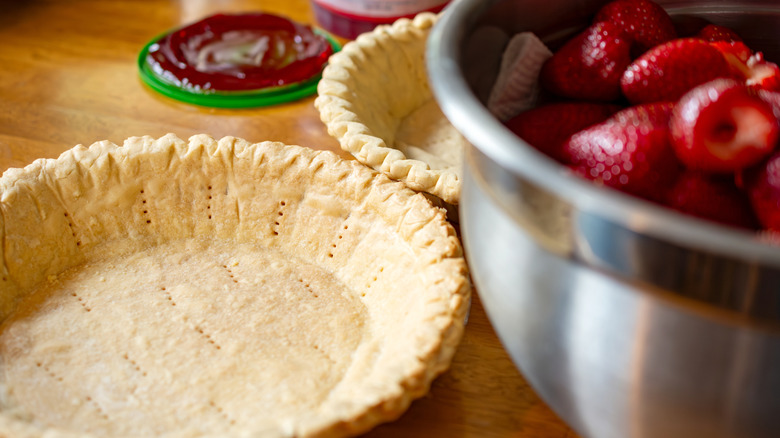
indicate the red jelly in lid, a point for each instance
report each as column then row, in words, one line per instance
column 237, row 60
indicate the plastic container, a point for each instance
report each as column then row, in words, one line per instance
column 212, row 63
column 350, row 18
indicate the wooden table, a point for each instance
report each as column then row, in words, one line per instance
column 68, row 76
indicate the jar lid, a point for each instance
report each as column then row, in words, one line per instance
column 167, row 66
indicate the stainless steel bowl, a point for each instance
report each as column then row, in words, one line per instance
column 629, row 319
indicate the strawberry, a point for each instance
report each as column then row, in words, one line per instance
column 590, row 65
column 773, row 99
column 711, row 197
column 629, row 151
column 646, row 23
column 548, row 127
column 758, row 73
column 669, row 70
column 750, row 66
column 763, row 74
column 737, row 55
column 763, row 188
column 713, row 32
column 722, row 127
column 736, row 52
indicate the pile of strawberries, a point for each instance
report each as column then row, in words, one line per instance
column 687, row 121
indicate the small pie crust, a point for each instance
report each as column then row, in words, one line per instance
column 219, row 288
column 375, row 99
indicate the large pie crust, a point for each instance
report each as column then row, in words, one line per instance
column 375, row 99
column 213, row 288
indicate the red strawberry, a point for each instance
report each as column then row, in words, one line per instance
column 713, row 32
column 763, row 74
column 668, row 71
column 751, row 67
column 548, row 127
column 590, row 65
column 721, row 126
column 773, row 99
column 763, row 188
column 711, row 197
column 737, row 55
column 646, row 23
column 629, row 151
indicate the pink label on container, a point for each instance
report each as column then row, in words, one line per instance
column 380, row 8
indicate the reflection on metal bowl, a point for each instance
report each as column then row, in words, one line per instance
column 629, row 319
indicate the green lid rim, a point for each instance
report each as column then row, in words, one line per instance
column 230, row 99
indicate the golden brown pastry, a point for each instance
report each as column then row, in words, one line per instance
column 213, row 288
column 374, row 98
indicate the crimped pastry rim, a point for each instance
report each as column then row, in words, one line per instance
column 349, row 127
column 434, row 238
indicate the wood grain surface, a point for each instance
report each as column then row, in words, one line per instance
column 68, row 76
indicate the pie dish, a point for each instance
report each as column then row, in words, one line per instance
column 375, row 99
column 210, row 288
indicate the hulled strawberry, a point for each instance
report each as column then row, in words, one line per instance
column 763, row 74
column 749, row 66
column 763, row 187
column 668, row 71
column 630, row 151
column 548, row 127
column 712, row 197
column 760, row 73
column 722, row 127
column 590, row 65
column 737, row 55
column 646, row 23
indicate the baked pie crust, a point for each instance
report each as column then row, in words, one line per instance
column 213, row 288
column 375, row 99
